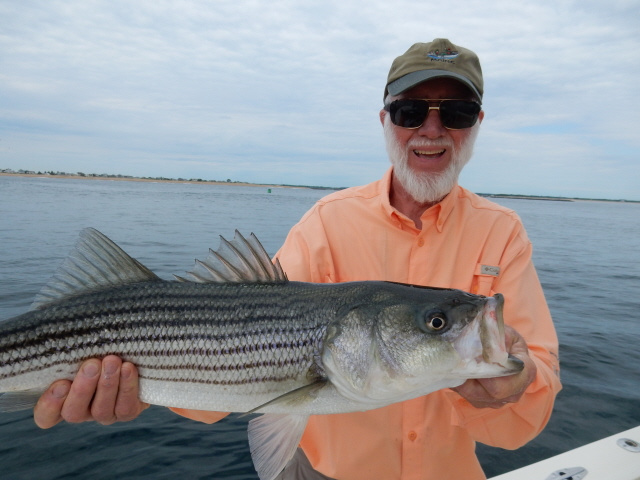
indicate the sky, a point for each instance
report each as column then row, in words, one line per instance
column 288, row 92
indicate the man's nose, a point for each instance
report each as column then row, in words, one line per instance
column 432, row 126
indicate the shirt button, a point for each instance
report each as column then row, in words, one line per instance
column 421, row 242
column 412, row 436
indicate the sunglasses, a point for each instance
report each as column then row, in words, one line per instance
column 454, row 114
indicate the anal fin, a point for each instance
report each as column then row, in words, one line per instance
column 273, row 440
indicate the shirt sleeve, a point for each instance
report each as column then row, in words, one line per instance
column 526, row 311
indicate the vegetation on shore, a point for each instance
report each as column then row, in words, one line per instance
column 228, row 181
column 106, row 176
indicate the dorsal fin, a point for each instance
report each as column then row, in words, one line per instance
column 96, row 262
column 239, row 261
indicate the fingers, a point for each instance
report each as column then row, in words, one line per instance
column 76, row 408
column 116, row 394
column 128, row 406
column 104, row 391
column 516, row 345
column 475, row 393
column 46, row 413
column 498, row 392
column 491, row 392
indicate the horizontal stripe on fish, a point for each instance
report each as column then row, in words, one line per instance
column 188, row 373
column 237, row 336
column 176, row 357
column 168, row 297
column 203, row 341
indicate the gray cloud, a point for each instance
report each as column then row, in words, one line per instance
column 289, row 92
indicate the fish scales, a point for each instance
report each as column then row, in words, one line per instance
column 221, row 334
column 236, row 335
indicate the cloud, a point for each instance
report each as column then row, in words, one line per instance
column 289, row 92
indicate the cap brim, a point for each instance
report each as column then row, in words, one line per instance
column 414, row 78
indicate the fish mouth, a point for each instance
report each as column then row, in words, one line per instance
column 492, row 336
column 492, row 330
column 484, row 340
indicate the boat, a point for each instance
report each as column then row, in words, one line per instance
column 613, row 458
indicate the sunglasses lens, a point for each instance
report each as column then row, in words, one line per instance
column 408, row 113
column 459, row 114
column 454, row 114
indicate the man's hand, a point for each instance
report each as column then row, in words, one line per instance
column 105, row 391
column 497, row 392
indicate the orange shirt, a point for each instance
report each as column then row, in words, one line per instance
column 466, row 242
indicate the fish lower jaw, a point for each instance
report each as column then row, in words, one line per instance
column 479, row 368
column 380, row 394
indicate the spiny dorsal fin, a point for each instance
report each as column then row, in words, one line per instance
column 239, row 261
column 96, row 262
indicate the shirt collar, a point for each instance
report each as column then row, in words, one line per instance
column 436, row 214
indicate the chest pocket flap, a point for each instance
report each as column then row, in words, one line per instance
column 484, row 276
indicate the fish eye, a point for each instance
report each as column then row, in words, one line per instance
column 435, row 321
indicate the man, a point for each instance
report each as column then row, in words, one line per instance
column 415, row 225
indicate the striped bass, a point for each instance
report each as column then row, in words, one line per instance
column 235, row 335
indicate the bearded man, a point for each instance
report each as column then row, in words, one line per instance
column 416, row 225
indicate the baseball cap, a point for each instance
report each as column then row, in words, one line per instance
column 436, row 59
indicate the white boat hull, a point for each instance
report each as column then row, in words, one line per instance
column 613, row 458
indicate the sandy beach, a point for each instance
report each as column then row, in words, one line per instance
column 139, row 179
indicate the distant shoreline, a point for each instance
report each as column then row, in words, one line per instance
column 155, row 180
column 273, row 185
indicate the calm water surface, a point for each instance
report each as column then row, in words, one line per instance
column 587, row 255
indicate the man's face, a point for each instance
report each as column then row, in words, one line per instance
column 427, row 160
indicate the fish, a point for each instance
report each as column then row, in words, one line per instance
column 235, row 334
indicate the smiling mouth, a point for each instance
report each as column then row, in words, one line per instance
column 429, row 153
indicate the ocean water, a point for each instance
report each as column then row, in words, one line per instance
column 587, row 255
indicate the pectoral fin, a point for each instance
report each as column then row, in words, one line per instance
column 294, row 397
column 273, row 440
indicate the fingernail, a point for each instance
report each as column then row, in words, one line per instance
column 90, row 369
column 125, row 371
column 60, row 391
column 110, row 368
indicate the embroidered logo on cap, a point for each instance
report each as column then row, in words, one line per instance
column 446, row 56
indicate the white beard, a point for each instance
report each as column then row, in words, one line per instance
column 427, row 187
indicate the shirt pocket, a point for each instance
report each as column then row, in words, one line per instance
column 483, row 278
